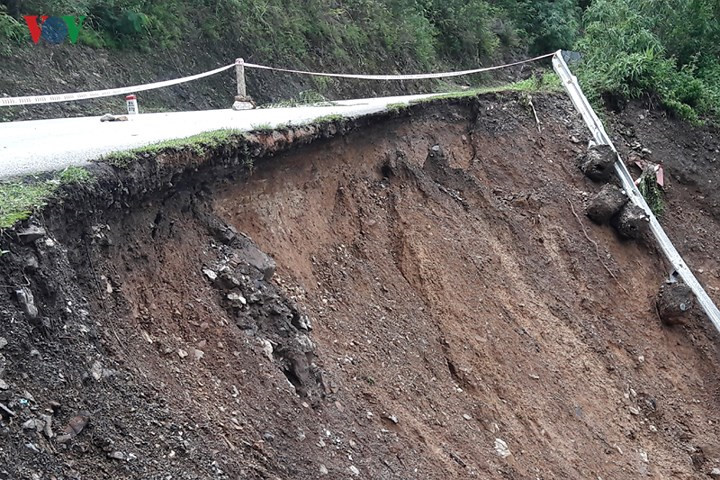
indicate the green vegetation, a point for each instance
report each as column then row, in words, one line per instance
column 262, row 127
column 18, row 199
column 328, row 119
column 396, row 107
column 653, row 194
column 666, row 51
column 197, row 144
column 548, row 82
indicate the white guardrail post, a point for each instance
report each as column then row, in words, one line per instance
column 601, row 137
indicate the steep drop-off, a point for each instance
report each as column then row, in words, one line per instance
column 438, row 306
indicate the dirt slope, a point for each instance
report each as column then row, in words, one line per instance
column 439, row 300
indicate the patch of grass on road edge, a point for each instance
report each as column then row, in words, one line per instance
column 548, row 82
column 19, row 198
column 197, row 144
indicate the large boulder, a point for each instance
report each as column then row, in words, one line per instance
column 598, row 163
column 674, row 302
column 606, row 203
column 631, row 222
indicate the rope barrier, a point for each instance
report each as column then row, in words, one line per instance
column 71, row 97
column 420, row 76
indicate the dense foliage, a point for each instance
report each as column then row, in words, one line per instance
column 665, row 50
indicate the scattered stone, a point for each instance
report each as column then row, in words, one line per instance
column 117, row 456
column 715, row 472
column 182, row 353
column 632, row 221
column 31, row 263
column 32, row 447
column 634, row 410
column 3, row 343
column 27, row 302
column 598, row 163
column 3, row 385
column 606, row 203
column 97, row 371
column 467, row 417
column 210, row 274
column 227, row 280
column 674, row 302
column 249, row 253
column 108, row 117
column 198, row 354
column 267, row 348
column 236, row 299
column 33, row 424
column 323, row 470
column 354, row 470
column 47, row 419
column 74, row 427
column 502, row 448
column 5, row 411
column 30, row 234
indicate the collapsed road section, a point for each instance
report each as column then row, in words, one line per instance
column 414, row 294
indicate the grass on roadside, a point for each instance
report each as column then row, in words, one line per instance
column 196, row 144
column 548, row 82
column 19, row 198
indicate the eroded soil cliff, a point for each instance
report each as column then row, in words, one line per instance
column 416, row 297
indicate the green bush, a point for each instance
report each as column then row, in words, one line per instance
column 12, row 33
column 630, row 52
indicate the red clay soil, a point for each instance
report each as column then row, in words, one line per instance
column 467, row 319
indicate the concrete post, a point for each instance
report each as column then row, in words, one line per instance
column 242, row 101
column 240, row 74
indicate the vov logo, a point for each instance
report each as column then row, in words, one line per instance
column 54, row 29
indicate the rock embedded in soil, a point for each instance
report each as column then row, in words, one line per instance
column 674, row 302
column 606, row 203
column 27, row 302
column 30, row 234
column 598, row 163
column 631, row 222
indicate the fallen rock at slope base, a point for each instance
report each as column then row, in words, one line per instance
column 606, row 203
column 631, row 222
column 598, row 163
column 674, row 302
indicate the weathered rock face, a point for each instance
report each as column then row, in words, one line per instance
column 631, row 222
column 674, row 302
column 606, row 203
column 261, row 310
column 598, row 163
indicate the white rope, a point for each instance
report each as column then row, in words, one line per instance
column 601, row 137
column 419, row 76
column 69, row 97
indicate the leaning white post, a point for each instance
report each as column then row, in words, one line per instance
column 242, row 101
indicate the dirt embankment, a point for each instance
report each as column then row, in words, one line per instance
column 419, row 296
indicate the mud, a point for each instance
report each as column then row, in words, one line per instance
column 415, row 296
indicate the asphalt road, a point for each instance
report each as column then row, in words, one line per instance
column 36, row 146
